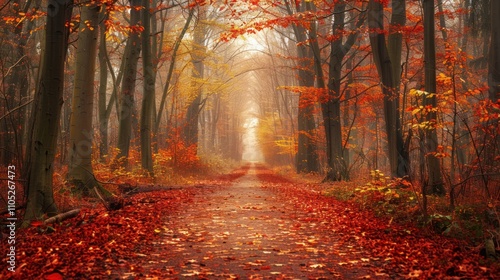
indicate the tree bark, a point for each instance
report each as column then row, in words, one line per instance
column 494, row 53
column 80, row 143
column 103, row 86
column 307, row 157
column 396, row 151
column 433, row 164
column 149, row 91
column 337, row 168
column 190, row 129
column 46, row 114
column 14, row 127
column 171, row 68
column 126, row 110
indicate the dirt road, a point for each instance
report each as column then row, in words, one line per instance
column 262, row 226
column 243, row 231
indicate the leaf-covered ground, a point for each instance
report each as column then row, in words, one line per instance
column 250, row 224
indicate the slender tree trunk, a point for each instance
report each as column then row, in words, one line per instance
column 131, row 57
column 103, row 86
column 14, row 125
column 307, row 157
column 433, row 164
column 382, row 59
column 442, row 21
column 492, row 150
column 80, row 140
column 46, row 114
column 190, row 130
column 494, row 53
column 149, row 91
column 331, row 108
column 171, row 69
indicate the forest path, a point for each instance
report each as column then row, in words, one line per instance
column 243, row 231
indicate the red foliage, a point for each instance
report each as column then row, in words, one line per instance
column 182, row 156
column 388, row 249
column 95, row 243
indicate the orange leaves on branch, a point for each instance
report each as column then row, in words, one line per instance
column 309, row 95
column 19, row 17
column 487, row 111
column 181, row 156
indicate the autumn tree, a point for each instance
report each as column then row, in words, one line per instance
column 81, row 130
column 339, row 47
column 168, row 86
column 435, row 181
column 190, row 130
column 494, row 54
column 307, row 157
column 46, row 112
column 386, row 56
column 147, row 111
column 16, row 53
column 126, row 97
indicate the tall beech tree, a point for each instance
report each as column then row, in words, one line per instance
column 494, row 53
column 387, row 58
column 131, row 58
column 46, row 112
column 147, row 111
column 307, row 157
column 198, row 54
column 435, row 180
column 103, row 109
column 337, row 168
column 81, row 130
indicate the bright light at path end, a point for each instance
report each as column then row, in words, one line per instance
column 251, row 148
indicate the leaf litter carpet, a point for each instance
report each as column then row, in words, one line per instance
column 249, row 224
column 262, row 226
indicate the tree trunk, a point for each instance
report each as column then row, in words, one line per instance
column 13, row 126
column 149, row 91
column 494, row 57
column 433, row 164
column 46, row 114
column 331, row 108
column 190, row 130
column 80, row 143
column 396, row 150
column 171, row 68
column 131, row 57
column 103, row 86
column 307, row 157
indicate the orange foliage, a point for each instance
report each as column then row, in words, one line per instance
column 180, row 155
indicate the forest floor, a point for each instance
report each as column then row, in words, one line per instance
column 250, row 224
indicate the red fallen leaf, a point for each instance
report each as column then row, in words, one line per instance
column 54, row 276
column 265, row 267
column 36, row 223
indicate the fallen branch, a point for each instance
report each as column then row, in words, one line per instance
column 61, row 217
column 129, row 190
column 111, row 203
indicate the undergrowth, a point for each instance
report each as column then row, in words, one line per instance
column 184, row 167
column 400, row 201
